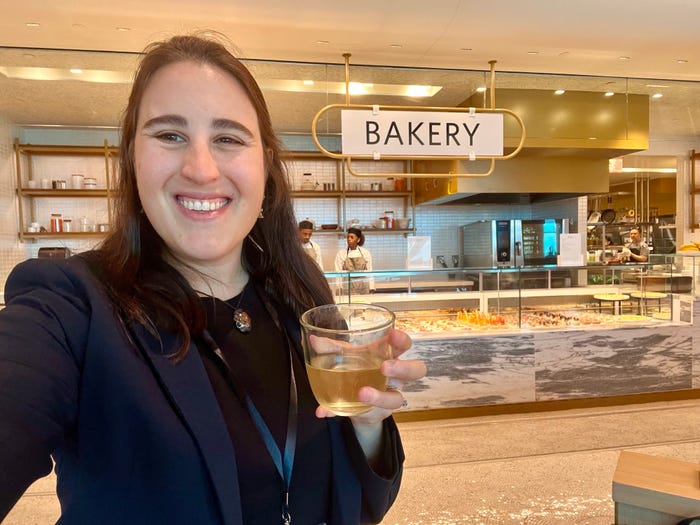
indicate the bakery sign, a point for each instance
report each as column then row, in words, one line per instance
column 422, row 133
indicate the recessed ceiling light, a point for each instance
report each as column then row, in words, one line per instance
column 481, row 89
column 465, row 48
column 560, row 92
column 656, row 85
column 623, row 57
column 657, row 95
column 323, row 42
column 681, row 61
column 533, row 52
column 123, row 29
column 397, row 46
column 308, row 82
column 609, row 93
column 33, row 24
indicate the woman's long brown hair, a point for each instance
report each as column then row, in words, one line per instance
column 133, row 259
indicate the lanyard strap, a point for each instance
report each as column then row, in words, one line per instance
column 284, row 466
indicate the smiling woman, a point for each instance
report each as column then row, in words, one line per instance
column 158, row 404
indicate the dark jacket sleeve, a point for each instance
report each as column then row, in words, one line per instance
column 379, row 488
column 42, row 332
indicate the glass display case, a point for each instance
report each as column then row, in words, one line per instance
column 459, row 302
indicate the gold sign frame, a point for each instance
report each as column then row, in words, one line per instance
column 349, row 158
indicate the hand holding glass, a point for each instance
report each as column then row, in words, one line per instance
column 344, row 346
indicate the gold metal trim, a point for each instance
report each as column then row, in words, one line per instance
column 349, row 158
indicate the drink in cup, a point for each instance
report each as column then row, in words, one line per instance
column 344, row 346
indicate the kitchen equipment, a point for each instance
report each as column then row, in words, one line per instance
column 376, row 186
column 53, row 253
column 608, row 216
column 594, row 216
column 403, row 223
column 505, row 243
column 400, row 184
column 329, row 226
column 380, row 223
column 90, row 183
column 307, row 182
column 440, row 259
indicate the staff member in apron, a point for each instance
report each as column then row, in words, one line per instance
column 354, row 258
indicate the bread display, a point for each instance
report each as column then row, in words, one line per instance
column 455, row 321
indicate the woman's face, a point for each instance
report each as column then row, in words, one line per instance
column 352, row 241
column 199, row 163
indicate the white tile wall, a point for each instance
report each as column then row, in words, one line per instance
column 441, row 223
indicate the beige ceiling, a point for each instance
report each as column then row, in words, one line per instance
column 446, row 43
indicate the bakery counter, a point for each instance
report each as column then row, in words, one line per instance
column 509, row 367
column 521, row 346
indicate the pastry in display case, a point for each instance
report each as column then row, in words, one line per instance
column 624, row 296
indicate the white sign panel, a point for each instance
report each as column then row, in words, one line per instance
column 570, row 250
column 416, row 133
column 419, row 256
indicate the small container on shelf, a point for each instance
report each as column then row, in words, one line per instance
column 67, row 225
column 90, row 183
column 389, row 216
column 56, row 223
column 399, row 184
column 77, row 181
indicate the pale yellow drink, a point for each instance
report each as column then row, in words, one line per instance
column 344, row 347
column 335, row 382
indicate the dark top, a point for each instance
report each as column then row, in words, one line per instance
column 261, row 360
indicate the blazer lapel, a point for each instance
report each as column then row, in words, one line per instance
column 188, row 387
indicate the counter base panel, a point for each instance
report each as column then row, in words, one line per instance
column 551, row 366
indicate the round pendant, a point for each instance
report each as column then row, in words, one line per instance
column 242, row 321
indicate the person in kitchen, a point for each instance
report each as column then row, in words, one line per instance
column 162, row 371
column 311, row 248
column 355, row 258
column 636, row 250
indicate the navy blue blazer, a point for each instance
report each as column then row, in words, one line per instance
column 136, row 438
